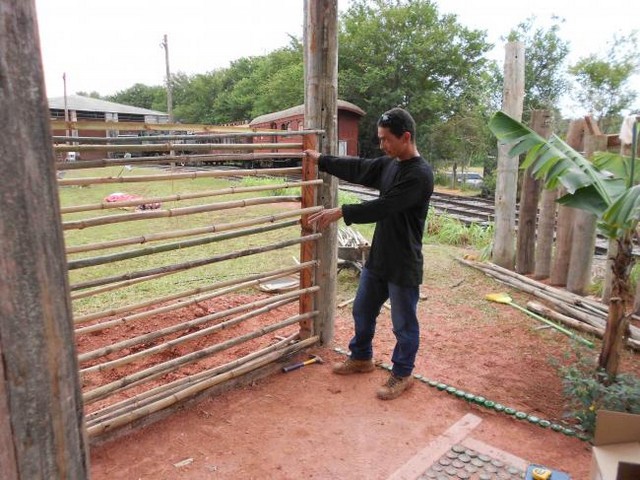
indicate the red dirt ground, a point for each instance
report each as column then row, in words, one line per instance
column 312, row 424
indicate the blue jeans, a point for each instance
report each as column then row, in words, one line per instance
column 373, row 291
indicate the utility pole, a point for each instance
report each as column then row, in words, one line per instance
column 165, row 45
column 66, row 108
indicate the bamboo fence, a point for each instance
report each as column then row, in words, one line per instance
column 137, row 359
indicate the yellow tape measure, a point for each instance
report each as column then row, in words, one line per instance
column 541, row 474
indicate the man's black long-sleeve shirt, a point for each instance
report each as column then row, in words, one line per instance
column 399, row 212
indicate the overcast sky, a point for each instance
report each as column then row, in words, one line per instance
column 107, row 46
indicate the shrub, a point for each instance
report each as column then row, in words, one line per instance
column 587, row 389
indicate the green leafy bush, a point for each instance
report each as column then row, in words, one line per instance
column 587, row 390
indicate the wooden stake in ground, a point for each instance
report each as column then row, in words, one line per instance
column 507, row 179
column 528, row 213
column 41, row 412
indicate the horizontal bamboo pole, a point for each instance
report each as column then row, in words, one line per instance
column 175, row 212
column 221, row 227
column 164, row 138
column 171, row 365
column 221, row 288
column 187, row 196
column 572, row 322
column 179, row 176
column 99, row 428
column 168, row 247
column 162, row 127
column 182, row 159
column 278, row 300
column 154, row 394
column 193, row 263
column 115, row 286
column 168, row 147
column 162, row 347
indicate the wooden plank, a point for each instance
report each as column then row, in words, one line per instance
column 321, row 80
column 307, row 249
column 41, row 393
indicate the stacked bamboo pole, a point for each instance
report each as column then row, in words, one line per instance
column 178, row 267
column 586, row 315
column 150, row 373
column 221, row 288
column 186, row 196
column 143, row 360
column 130, row 413
column 177, row 176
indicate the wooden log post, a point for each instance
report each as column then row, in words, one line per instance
column 584, row 232
column 507, row 178
column 564, row 229
column 526, row 240
column 320, row 112
column 41, row 411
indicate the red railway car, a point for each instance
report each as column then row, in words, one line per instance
column 292, row 119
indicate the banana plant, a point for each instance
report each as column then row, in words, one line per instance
column 607, row 188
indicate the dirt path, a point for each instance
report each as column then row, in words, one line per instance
column 312, row 424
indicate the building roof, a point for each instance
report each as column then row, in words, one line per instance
column 88, row 104
column 299, row 110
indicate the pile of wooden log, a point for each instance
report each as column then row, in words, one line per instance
column 580, row 313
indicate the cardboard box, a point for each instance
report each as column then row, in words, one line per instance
column 616, row 442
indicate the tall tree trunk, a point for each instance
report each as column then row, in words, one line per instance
column 617, row 320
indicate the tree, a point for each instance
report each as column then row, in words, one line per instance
column 403, row 53
column 92, row 94
column 544, row 72
column 140, row 95
column 603, row 81
column 607, row 188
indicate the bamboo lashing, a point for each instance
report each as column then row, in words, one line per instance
column 151, row 395
column 101, row 427
column 178, row 176
column 185, row 196
column 194, row 263
column 168, row 247
column 154, row 237
column 237, row 284
column 114, row 347
column 171, row 365
column 132, row 357
column 174, row 212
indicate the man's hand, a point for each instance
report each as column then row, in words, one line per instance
column 313, row 155
column 325, row 217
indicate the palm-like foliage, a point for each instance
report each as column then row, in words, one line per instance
column 605, row 188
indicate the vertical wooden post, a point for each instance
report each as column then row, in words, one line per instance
column 584, row 232
column 564, row 230
column 320, row 111
column 41, row 414
column 507, row 178
column 526, row 244
column 307, row 249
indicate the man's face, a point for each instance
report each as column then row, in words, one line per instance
column 390, row 144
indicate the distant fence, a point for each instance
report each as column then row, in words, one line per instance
column 145, row 270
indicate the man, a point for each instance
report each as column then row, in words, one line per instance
column 394, row 267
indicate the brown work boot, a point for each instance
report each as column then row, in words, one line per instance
column 350, row 366
column 394, row 387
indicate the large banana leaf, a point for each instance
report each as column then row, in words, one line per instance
column 599, row 187
column 553, row 161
